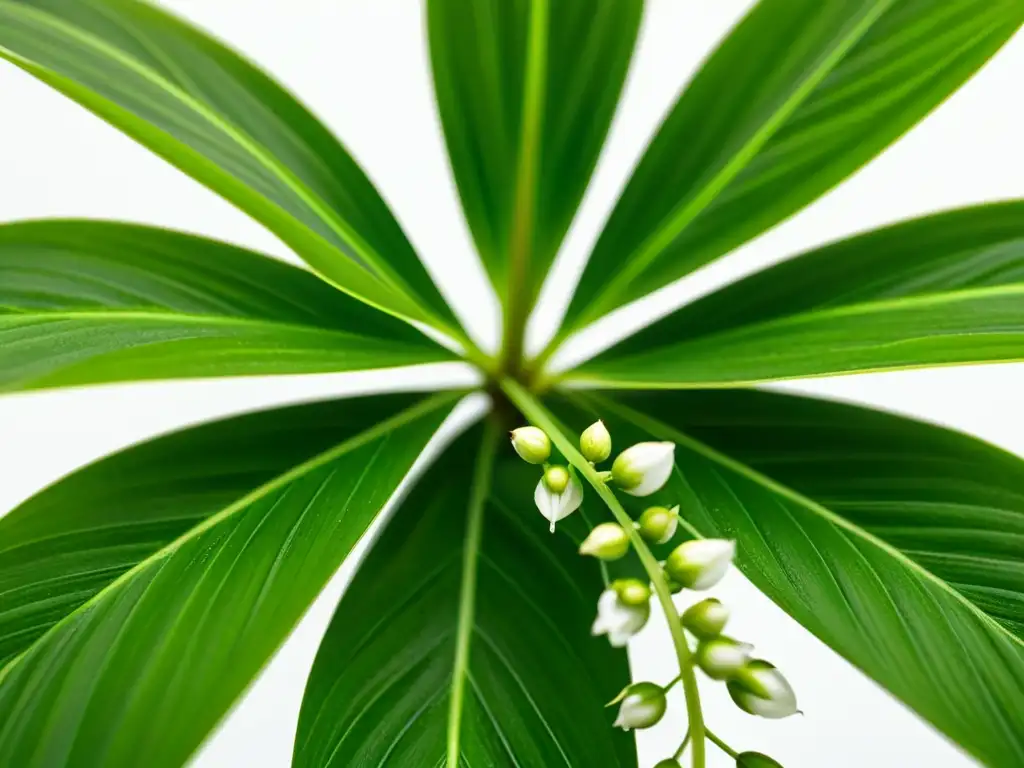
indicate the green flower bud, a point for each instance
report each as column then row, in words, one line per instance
column 644, row 468
column 632, row 591
column 658, row 524
column 722, row 657
column 532, row 444
column 760, row 689
column 642, row 705
column 700, row 563
column 556, row 478
column 596, row 443
column 669, row 762
column 705, row 619
column 755, row 760
column 608, row 541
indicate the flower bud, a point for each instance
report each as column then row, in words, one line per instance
column 669, row 762
column 756, row 760
column 608, row 541
column 722, row 657
column 555, row 506
column 658, row 524
column 596, row 443
column 556, row 478
column 644, row 468
column 618, row 619
column 632, row 591
column 642, row 705
column 760, row 689
column 700, row 563
column 705, row 619
column 532, row 444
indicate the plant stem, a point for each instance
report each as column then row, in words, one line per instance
column 467, row 593
column 538, row 414
column 722, row 745
column 682, row 746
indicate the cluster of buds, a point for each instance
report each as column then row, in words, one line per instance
column 559, row 492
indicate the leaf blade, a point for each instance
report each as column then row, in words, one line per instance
column 156, row 656
column 91, row 302
column 216, row 117
column 750, row 142
column 373, row 696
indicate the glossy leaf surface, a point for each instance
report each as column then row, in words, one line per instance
column 89, row 302
column 526, row 92
column 798, row 96
column 218, row 118
column 933, row 291
column 142, row 671
column 534, row 688
column 894, row 542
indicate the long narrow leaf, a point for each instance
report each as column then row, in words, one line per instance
column 90, row 302
column 219, row 119
column 140, row 672
column 800, row 95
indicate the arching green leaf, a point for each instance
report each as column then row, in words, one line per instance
column 897, row 543
column 90, row 302
column 939, row 290
column 800, row 95
column 218, row 118
column 531, row 687
column 170, row 594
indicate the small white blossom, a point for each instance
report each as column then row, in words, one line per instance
column 721, row 658
column 701, row 563
column 608, row 541
column 642, row 706
column 706, row 619
column 644, row 468
column 617, row 619
column 532, row 444
column 556, row 506
column 760, row 689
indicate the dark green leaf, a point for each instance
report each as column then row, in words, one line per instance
column 533, row 691
column 933, row 291
column 526, row 92
column 756, row 760
column 142, row 670
column 88, row 302
column 218, row 118
column 800, row 95
column 897, row 543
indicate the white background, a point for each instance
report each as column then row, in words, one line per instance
column 362, row 66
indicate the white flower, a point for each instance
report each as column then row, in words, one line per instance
column 644, row 468
column 760, row 689
column 555, row 506
column 596, row 443
column 643, row 705
column 723, row 657
column 532, row 444
column 701, row 563
column 608, row 541
column 658, row 524
column 619, row 620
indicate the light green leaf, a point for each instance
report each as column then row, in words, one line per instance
column 897, row 543
column 464, row 639
column 526, row 91
column 90, row 302
column 142, row 670
column 939, row 290
column 218, row 118
column 800, row 95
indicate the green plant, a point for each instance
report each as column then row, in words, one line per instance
column 141, row 594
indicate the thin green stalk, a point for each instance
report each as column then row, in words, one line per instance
column 682, row 746
column 467, row 593
column 722, row 745
column 538, row 414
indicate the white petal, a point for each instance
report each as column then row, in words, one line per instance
column 655, row 461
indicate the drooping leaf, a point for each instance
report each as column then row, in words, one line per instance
column 89, row 302
column 218, row 118
column 932, row 291
column 526, row 92
column 142, row 670
column 897, row 543
column 799, row 95
column 532, row 688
